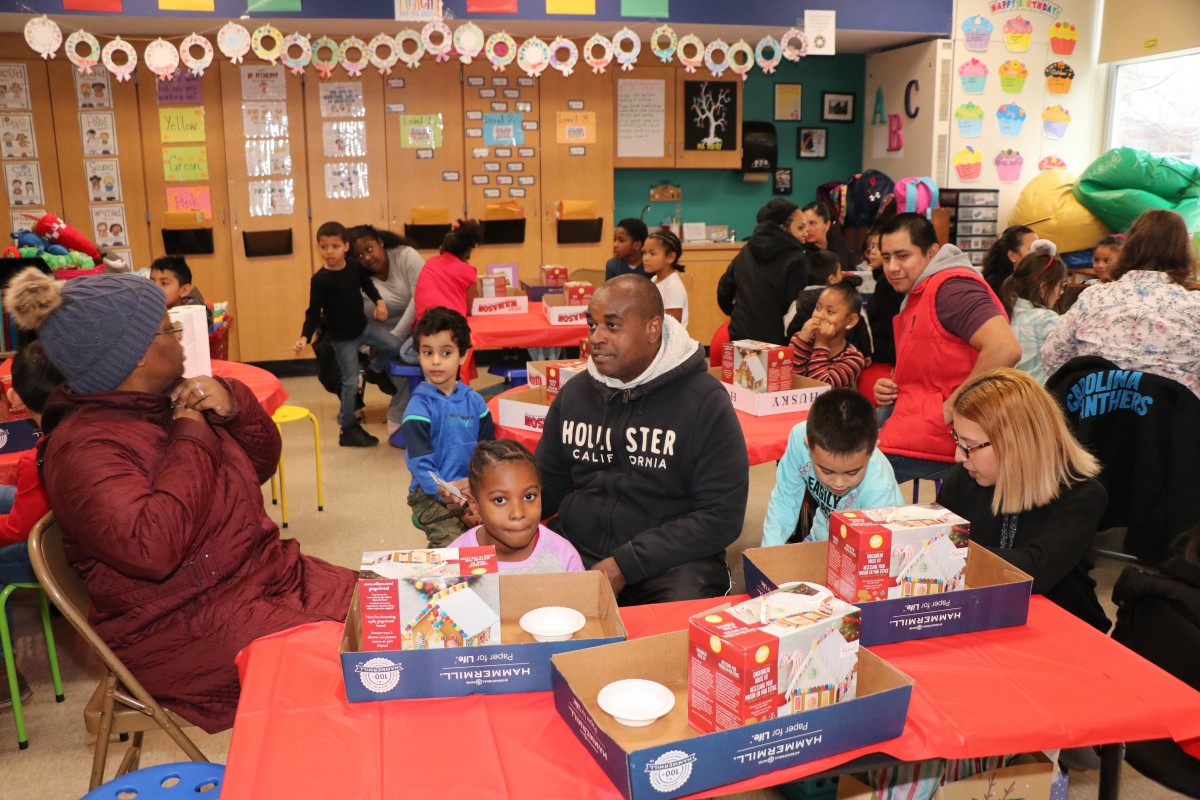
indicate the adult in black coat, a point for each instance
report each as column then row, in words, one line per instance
column 766, row 276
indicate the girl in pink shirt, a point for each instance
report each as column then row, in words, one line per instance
column 447, row 279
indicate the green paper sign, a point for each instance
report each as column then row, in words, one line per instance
column 656, row 9
column 273, row 5
column 421, row 131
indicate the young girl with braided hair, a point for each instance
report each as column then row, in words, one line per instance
column 660, row 259
column 1029, row 296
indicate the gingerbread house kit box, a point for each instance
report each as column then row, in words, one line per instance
column 455, row 660
column 788, row 651
column 995, row 594
column 757, row 366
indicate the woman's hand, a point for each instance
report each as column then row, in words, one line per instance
column 301, row 343
column 202, row 393
column 380, row 311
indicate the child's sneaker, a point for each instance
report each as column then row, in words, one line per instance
column 355, row 436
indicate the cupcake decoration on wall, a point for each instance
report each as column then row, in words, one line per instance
column 974, row 75
column 1012, row 76
column 968, row 164
column 969, row 118
column 977, row 32
column 1051, row 162
column 1008, row 165
column 1063, row 38
column 1055, row 120
column 1017, row 32
column 1011, row 118
column 1059, row 77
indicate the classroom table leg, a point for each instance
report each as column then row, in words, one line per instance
column 1111, row 756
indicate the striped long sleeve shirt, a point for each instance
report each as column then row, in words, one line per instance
column 818, row 363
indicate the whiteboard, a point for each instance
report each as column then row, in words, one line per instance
column 641, row 118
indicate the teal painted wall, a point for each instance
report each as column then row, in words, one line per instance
column 721, row 196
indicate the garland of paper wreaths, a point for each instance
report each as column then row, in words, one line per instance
column 383, row 63
column 84, row 63
column 196, row 65
column 439, row 50
column 122, row 72
column 598, row 64
column 565, row 66
column 355, row 67
column 296, row 63
column 324, row 66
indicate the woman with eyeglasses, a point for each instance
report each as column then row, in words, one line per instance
column 155, row 481
column 1028, row 488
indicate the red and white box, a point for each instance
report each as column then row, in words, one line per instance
column 791, row 650
column 429, row 599
column 905, row 551
column 509, row 271
column 553, row 275
column 513, row 301
column 559, row 312
column 525, row 408
column 585, row 348
column 579, row 293
column 493, row 286
column 558, row 373
column 9, row 412
column 757, row 366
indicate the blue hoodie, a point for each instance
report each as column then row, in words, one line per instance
column 796, row 475
column 442, row 431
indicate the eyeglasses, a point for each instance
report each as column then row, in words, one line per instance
column 966, row 451
column 176, row 330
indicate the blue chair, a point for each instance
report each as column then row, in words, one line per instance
column 164, row 782
column 511, row 368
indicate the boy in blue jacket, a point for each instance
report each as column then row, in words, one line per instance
column 832, row 462
column 443, row 422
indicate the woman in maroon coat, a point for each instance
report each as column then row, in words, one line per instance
column 155, row 482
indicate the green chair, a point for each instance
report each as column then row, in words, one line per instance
column 10, row 664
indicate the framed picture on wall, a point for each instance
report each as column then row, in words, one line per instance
column 837, row 107
column 783, row 181
column 787, row 101
column 812, row 143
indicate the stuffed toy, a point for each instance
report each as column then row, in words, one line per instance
column 55, row 231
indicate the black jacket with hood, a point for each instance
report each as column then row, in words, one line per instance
column 655, row 475
column 764, row 278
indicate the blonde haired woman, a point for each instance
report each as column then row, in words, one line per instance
column 1027, row 486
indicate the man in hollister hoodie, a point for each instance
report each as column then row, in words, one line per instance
column 951, row 327
column 643, row 459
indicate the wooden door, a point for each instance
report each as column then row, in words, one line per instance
column 169, row 114
column 266, row 143
column 577, row 162
column 503, row 144
column 425, row 158
column 686, row 116
column 644, row 117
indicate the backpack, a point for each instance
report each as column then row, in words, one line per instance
column 867, row 196
column 833, row 194
column 919, row 195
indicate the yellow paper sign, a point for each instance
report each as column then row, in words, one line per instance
column 576, row 127
column 571, row 7
column 181, row 124
column 185, row 164
column 186, row 5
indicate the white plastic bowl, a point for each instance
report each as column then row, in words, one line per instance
column 552, row 623
column 636, row 702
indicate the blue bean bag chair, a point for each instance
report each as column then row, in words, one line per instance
column 1122, row 183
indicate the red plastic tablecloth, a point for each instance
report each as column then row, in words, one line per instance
column 766, row 437
column 266, row 388
column 530, row 329
column 1054, row 682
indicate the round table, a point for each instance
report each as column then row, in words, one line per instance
column 266, row 387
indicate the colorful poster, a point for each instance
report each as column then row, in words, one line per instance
column 190, row 198
column 14, row 86
column 181, row 164
column 181, row 124
column 502, row 129
column 261, row 82
column 491, row 6
column 16, row 136
column 186, row 5
column 342, row 100
column 103, row 179
column 92, row 91
column 292, row 6
column 710, row 109
column 421, row 130
column 110, row 6
column 344, row 139
column 264, row 120
column 272, row 198
column 109, row 225
column 99, row 131
column 587, row 7
column 268, row 157
column 655, row 9
column 346, row 180
column 575, row 127
column 427, row 10
column 24, row 183
column 184, row 89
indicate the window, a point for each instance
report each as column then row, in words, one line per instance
column 1155, row 106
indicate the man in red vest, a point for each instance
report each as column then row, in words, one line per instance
column 951, row 327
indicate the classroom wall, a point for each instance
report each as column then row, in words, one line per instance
column 904, row 139
column 1130, row 32
column 721, row 197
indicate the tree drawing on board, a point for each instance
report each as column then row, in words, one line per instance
column 712, row 120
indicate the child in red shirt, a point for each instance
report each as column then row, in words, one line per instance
column 447, row 279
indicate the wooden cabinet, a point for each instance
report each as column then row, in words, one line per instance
column 705, row 263
column 40, row 170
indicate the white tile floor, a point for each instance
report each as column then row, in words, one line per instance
column 365, row 509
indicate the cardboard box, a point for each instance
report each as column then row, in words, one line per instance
column 9, row 412
column 18, row 435
column 558, row 373
column 1029, row 777
column 512, row 302
column 509, row 271
column 521, row 664
column 559, row 312
column 535, row 372
column 435, row 598
column 525, row 409
column 996, row 594
column 800, row 397
column 492, row 286
column 782, row 653
column 922, row 551
column 756, row 366
column 669, row 758
column 553, row 275
column 537, row 292
column 196, row 357
column 579, row 293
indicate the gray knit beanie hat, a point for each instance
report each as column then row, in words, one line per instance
column 95, row 329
